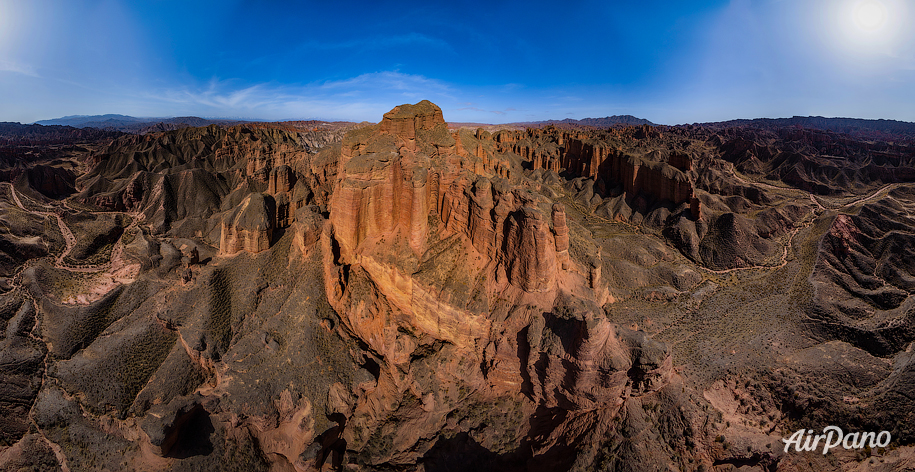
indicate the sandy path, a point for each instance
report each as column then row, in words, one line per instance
column 116, row 271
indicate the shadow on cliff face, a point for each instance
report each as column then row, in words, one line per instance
column 278, row 234
column 193, row 435
column 524, row 355
column 462, row 453
column 330, row 445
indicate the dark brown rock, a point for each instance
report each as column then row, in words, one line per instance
column 249, row 227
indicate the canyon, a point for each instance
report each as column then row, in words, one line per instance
column 416, row 295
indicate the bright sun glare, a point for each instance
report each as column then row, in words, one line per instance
column 870, row 28
column 870, row 15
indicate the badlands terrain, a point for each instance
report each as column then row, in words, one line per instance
column 410, row 295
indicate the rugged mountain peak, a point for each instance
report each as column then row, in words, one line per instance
column 405, row 120
column 387, row 189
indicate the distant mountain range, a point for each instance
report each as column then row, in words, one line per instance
column 79, row 121
column 604, row 122
column 875, row 129
column 131, row 124
column 19, row 134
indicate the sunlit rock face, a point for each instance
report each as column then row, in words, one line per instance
column 578, row 153
column 249, row 227
column 404, row 182
column 428, row 244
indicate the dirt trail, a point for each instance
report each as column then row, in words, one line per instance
column 70, row 239
column 789, row 243
column 35, row 333
column 817, row 200
column 118, row 270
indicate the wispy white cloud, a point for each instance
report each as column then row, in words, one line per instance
column 364, row 97
column 367, row 97
column 18, row 67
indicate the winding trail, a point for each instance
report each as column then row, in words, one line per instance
column 70, row 239
column 115, row 274
column 35, row 331
column 821, row 208
column 790, row 240
column 817, row 200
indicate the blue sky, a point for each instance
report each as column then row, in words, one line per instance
column 669, row 62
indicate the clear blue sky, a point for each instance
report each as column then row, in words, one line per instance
column 669, row 62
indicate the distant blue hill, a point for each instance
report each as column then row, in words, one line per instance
column 605, row 122
column 876, row 129
column 132, row 124
column 79, row 121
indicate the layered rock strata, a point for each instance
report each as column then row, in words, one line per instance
column 249, row 227
column 580, row 154
column 391, row 181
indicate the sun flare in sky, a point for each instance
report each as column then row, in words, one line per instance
column 871, row 26
column 870, row 15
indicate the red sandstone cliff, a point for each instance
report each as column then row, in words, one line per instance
column 248, row 227
column 584, row 155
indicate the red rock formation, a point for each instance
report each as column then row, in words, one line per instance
column 377, row 196
column 530, row 252
column 592, row 155
column 695, row 208
column 405, row 120
column 681, row 161
column 386, row 190
column 481, row 227
column 657, row 179
column 844, row 230
column 282, row 179
column 594, row 272
column 584, row 157
column 301, row 195
column 561, row 235
column 249, row 227
column 484, row 158
column 425, row 244
column 284, row 210
column 591, row 365
column 281, row 149
column 307, row 228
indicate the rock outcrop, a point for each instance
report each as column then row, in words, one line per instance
column 393, row 178
column 584, row 155
column 530, row 252
column 405, row 120
column 427, row 243
column 249, row 227
column 281, row 179
column 309, row 224
column 561, row 235
column 582, row 362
